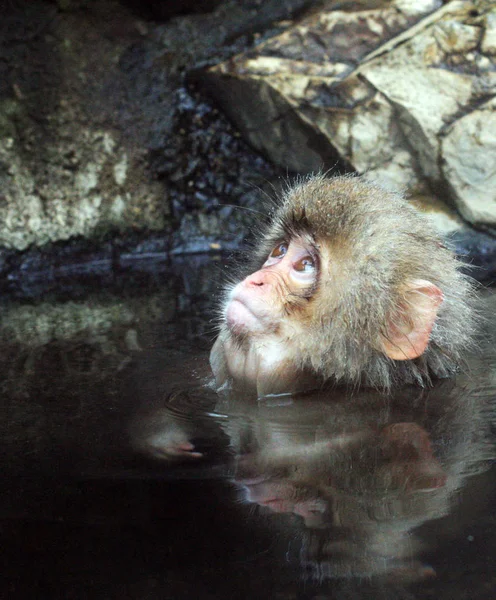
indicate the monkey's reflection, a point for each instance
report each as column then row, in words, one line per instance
column 360, row 486
column 360, row 471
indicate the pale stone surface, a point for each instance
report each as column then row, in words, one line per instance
column 419, row 80
column 443, row 217
column 88, row 201
column 469, row 164
column 488, row 45
column 383, row 90
column 65, row 154
column 297, row 99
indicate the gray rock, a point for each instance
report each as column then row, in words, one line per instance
column 100, row 187
column 67, row 168
column 95, row 137
column 469, row 164
column 387, row 91
column 299, row 98
column 432, row 80
column 488, row 45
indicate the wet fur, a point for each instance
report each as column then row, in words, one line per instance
column 376, row 242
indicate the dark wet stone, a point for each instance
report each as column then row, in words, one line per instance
column 478, row 250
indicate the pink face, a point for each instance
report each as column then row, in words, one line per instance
column 256, row 305
column 282, row 496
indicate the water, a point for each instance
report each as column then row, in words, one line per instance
column 126, row 477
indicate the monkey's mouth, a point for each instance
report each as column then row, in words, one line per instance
column 241, row 319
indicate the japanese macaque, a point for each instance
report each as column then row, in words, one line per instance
column 350, row 284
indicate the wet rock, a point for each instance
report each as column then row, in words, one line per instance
column 433, row 80
column 110, row 160
column 216, row 181
column 478, row 250
column 160, row 298
column 302, row 88
column 469, row 164
column 199, row 233
column 398, row 91
column 65, row 168
column 89, row 108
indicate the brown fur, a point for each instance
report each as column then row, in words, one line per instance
column 371, row 241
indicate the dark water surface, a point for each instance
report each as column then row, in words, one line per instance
column 126, row 477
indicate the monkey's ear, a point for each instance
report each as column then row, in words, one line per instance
column 409, row 329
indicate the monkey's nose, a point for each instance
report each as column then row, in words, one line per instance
column 257, row 279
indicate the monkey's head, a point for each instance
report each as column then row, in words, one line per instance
column 349, row 283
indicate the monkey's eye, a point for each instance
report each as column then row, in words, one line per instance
column 279, row 251
column 305, row 265
column 277, row 254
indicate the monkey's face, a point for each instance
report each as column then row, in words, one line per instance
column 264, row 315
column 262, row 302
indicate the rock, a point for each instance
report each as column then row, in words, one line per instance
column 98, row 186
column 478, row 251
column 298, row 97
column 433, row 78
column 199, row 233
column 443, row 217
column 103, row 140
column 469, row 164
column 67, row 168
column 488, row 45
column 88, row 113
column 387, row 91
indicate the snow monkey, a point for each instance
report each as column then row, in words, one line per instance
column 349, row 283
